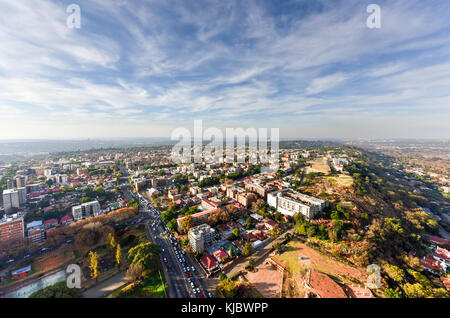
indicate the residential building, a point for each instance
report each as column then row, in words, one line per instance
column 12, row 198
column 35, row 231
column 85, row 210
column 12, row 228
column 198, row 218
column 290, row 202
column 200, row 237
column 20, row 181
column 10, row 184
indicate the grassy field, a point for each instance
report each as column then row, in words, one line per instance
column 342, row 179
column 151, row 287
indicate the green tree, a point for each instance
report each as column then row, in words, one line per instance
column 146, row 254
column 248, row 249
column 236, row 233
column 227, row 287
column 58, row 290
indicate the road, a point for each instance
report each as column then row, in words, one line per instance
column 106, row 286
column 174, row 270
column 179, row 283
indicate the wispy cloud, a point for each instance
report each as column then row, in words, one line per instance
column 303, row 64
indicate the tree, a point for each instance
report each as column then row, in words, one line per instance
column 249, row 223
column 392, row 293
column 222, row 276
column 395, row 273
column 236, row 233
column 251, row 264
column 248, row 249
column 58, row 290
column 172, row 225
column 227, row 287
column 86, row 199
column 135, row 271
column 186, row 223
column 111, row 243
column 93, row 264
column 118, row 256
column 146, row 254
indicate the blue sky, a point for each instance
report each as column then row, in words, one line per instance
column 142, row 68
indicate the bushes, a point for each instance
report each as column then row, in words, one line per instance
column 58, row 290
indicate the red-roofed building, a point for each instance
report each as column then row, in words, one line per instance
column 446, row 282
column 437, row 239
column 220, row 255
column 249, row 237
column 67, row 219
column 209, row 262
column 430, row 264
column 50, row 223
column 259, row 235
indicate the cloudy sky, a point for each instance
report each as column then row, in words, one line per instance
column 142, row 68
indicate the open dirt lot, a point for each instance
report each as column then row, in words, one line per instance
column 299, row 257
column 319, row 165
column 267, row 280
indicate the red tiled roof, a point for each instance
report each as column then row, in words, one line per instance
column 438, row 239
column 66, row 218
column 51, row 221
column 208, row 261
column 220, row 254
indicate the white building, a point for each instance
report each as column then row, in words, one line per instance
column 200, row 237
column 290, row 202
column 85, row 210
column 14, row 198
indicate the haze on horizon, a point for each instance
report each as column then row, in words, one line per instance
column 309, row 67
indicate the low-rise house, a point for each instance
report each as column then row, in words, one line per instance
column 66, row 220
column 50, row 223
column 220, row 255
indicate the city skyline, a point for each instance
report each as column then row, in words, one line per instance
column 311, row 68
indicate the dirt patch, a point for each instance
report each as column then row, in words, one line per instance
column 299, row 258
column 266, row 279
column 319, row 165
column 53, row 260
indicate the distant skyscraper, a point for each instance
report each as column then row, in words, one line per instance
column 11, row 199
column 11, row 184
column 20, row 181
column 22, row 196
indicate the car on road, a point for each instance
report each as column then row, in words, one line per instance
column 10, row 260
column 44, row 249
column 26, row 256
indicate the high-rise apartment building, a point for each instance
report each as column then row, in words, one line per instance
column 85, row 210
column 11, row 228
